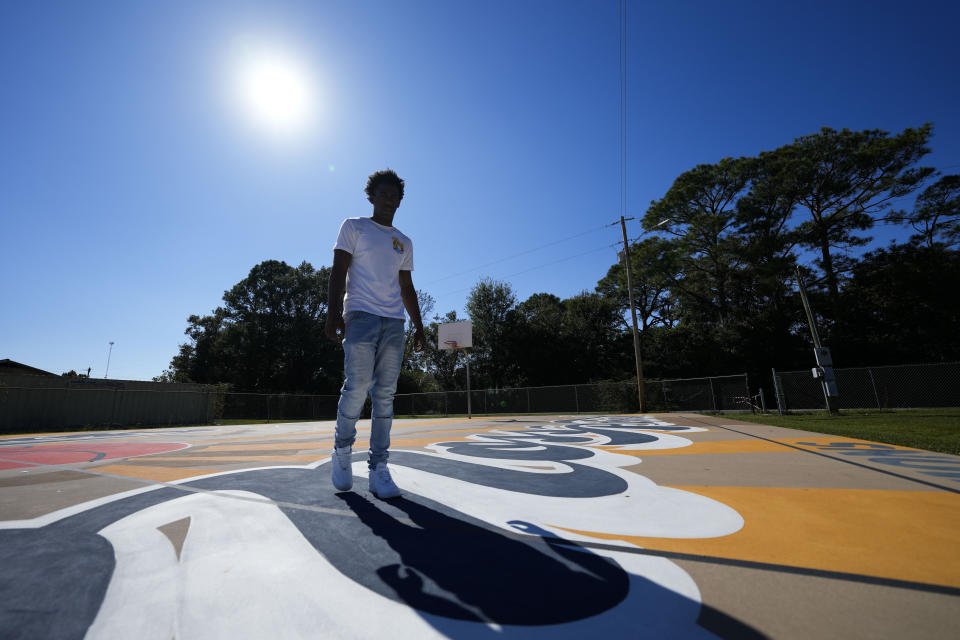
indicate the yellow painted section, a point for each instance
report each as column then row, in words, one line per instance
column 276, row 446
column 322, row 432
column 442, row 436
column 747, row 445
column 161, row 474
column 903, row 535
column 440, row 421
column 282, row 458
column 743, row 445
column 422, row 442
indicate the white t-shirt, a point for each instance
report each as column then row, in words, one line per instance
column 373, row 279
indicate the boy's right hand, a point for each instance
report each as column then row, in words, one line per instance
column 335, row 328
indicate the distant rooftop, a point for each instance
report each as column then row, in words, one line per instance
column 10, row 366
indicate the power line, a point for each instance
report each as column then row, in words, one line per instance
column 516, row 255
column 539, row 266
column 623, row 108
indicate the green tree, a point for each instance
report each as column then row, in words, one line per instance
column 845, row 180
column 490, row 307
column 268, row 336
column 700, row 210
column 413, row 361
column 537, row 346
column 936, row 213
column 588, row 338
column 899, row 306
column 767, row 308
column 654, row 264
column 415, row 376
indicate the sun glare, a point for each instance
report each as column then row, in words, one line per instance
column 275, row 92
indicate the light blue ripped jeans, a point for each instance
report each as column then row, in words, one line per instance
column 373, row 351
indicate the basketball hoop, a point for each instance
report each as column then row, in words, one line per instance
column 455, row 335
column 458, row 335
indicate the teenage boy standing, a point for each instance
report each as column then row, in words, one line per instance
column 372, row 261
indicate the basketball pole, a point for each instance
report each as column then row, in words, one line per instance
column 469, row 411
column 633, row 312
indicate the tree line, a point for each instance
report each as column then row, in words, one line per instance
column 713, row 279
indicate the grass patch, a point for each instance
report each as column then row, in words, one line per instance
column 930, row 429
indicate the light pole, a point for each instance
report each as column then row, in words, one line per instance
column 824, row 369
column 109, row 353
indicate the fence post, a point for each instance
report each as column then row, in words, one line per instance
column 113, row 410
column 576, row 399
column 713, row 395
column 874, row 385
column 776, row 390
column 763, row 401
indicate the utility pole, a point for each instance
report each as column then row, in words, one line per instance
column 633, row 312
column 109, row 353
column 824, row 369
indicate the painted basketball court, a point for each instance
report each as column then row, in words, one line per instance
column 672, row 525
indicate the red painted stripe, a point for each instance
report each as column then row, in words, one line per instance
column 82, row 452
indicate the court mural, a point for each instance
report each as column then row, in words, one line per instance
column 486, row 541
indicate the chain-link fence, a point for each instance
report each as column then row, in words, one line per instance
column 51, row 403
column 691, row 394
column 887, row 387
column 33, row 403
column 277, row 406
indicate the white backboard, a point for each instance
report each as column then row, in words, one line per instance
column 455, row 335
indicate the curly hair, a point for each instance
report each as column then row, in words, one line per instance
column 386, row 175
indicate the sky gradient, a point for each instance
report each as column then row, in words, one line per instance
column 134, row 191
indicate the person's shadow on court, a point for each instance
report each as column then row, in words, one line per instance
column 450, row 567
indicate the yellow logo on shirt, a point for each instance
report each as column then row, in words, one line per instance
column 397, row 245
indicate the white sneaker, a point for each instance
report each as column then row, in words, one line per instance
column 381, row 484
column 342, row 470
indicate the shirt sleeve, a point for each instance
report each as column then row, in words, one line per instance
column 407, row 263
column 347, row 238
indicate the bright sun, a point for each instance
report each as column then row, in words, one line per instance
column 275, row 92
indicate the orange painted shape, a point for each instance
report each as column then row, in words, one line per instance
column 160, row 474
column 316, row 433
column 276, row 446
column 267, row 458
column 903, row 535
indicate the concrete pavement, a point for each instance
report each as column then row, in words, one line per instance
column 672, row 525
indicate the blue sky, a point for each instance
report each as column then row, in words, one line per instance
column 134, row 190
